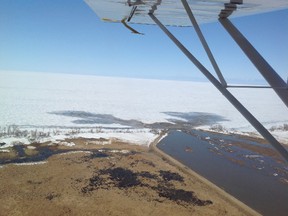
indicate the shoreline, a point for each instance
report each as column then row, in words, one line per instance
column 229, row 198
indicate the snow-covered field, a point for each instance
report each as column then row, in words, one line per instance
column 47, row 102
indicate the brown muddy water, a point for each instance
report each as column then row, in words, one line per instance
column 248, row 169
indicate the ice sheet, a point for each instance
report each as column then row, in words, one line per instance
column 41, row 100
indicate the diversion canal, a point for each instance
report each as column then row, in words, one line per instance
column 246, row 168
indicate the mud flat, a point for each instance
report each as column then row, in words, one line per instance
column 112, row 179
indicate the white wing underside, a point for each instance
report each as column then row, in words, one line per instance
column 171, row 12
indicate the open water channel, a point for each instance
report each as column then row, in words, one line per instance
column 248, row 169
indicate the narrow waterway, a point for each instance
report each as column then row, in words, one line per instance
column 248, row 170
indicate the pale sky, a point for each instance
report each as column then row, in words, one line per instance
column 67, row 37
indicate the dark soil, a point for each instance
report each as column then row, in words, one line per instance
column 124, row 179
column 182, row 195
column 169, row 176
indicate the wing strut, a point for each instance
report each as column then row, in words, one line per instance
column 274, row 80
column 203, row 41
column 222, row 88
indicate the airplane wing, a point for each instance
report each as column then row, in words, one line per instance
column 171, row 12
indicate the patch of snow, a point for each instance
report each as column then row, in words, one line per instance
column 11, row 141
column 133, row 136
column 120, row 151
column 253, row 156
column 136, row 136
column 30, row 163
column 100, row 142
column 69, row 144
column 4, row 150
column 125, row 151
column 76, row 152
column 162, row 137
column 261, row 161
column 282, row 136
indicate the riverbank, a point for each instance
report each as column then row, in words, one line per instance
column 118, row 178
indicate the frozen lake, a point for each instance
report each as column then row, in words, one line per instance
column 43, row 100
